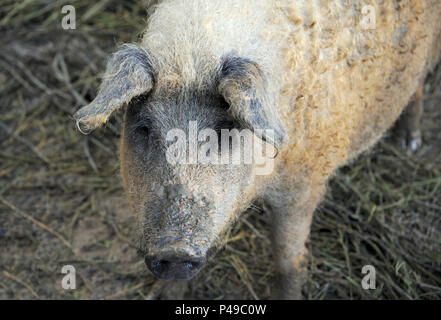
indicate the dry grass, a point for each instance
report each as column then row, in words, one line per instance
column 61, row 198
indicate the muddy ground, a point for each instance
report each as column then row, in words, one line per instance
column 61, row 200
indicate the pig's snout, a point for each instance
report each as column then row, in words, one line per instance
column 175, row 263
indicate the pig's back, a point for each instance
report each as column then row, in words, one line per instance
column 337, row 86
column 346, row 84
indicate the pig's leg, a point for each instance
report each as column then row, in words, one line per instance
column 409, row 123
column 291, row 219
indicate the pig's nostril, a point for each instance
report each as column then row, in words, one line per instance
column 192, row 265
column 159, row 264
column 176, row 266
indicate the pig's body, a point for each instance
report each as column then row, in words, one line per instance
column 338, row 85
column 332, row 87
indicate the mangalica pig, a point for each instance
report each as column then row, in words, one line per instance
column 315, row 82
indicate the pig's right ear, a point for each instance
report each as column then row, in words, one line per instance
column 128, row 74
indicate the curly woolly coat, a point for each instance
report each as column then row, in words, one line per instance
column 332, row 88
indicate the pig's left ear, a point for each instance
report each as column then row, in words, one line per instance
column 128, row 74
column 243, row 86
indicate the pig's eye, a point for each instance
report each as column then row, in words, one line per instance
column 142, row 130
column 139, row 123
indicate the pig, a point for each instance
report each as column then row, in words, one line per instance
column 324, row 77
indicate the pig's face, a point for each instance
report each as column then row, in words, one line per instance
column 184, row 204
column 182, row 207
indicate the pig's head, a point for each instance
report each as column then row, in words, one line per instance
column 183, row 206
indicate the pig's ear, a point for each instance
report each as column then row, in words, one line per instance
column 128, row 74
column 243, row 86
